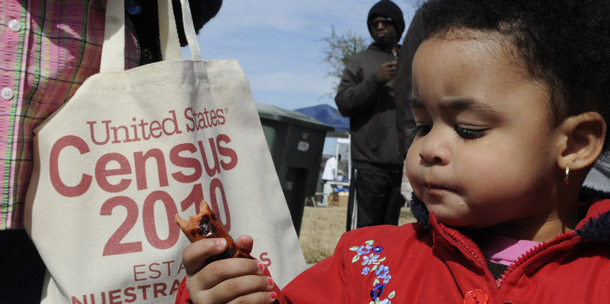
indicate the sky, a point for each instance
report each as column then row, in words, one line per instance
column 279, row 45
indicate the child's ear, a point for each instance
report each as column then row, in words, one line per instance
column 581, row 140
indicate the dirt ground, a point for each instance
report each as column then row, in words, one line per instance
column 322, row 227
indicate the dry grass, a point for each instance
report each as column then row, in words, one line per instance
column 322, row 227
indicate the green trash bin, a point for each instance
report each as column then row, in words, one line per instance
column 296, row 142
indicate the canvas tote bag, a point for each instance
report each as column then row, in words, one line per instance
column 133, row 148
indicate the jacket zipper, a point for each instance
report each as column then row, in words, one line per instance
column 457, row 238
column 533, row 252
column 522, row 259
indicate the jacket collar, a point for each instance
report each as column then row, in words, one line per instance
column 595, row 226
column 378, row 47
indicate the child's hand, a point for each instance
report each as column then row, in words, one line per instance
column 235, row 280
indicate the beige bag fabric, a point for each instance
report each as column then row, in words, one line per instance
column 133, row 148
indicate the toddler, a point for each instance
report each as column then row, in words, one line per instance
column 510, row 99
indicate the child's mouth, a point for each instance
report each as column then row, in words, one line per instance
column 435, row 190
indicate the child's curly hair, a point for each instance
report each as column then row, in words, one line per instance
column 563, row 43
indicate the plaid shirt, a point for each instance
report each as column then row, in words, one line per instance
column 49, row 47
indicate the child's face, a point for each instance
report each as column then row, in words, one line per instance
column 484, row 153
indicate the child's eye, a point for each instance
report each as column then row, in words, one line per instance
column 422, row 130
column 469, row 133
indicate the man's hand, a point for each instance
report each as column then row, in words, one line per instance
column 386, row 71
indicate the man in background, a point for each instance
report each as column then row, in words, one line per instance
column 366, row 96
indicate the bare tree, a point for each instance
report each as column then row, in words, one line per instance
column 339, row 49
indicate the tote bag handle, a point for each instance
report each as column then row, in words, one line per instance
column 113, row 49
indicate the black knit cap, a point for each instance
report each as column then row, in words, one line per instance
column 388, row 8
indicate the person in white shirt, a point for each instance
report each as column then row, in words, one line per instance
column 329, row 174
column 330, row 169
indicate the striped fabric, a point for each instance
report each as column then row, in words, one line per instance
column 49, row 47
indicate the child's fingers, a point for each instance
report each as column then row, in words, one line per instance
column 222, row 270
column 254, row 298
column 194, row 256
column 243, row 289
column 245, row 243
column 257, row 298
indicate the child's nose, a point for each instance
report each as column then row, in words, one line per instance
column 434, row 149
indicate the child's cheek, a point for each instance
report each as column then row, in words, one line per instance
column 411, row 166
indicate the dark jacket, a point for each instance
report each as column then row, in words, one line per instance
column 371, row 109
column 146, row 24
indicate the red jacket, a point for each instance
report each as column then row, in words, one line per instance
column 438, row 264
